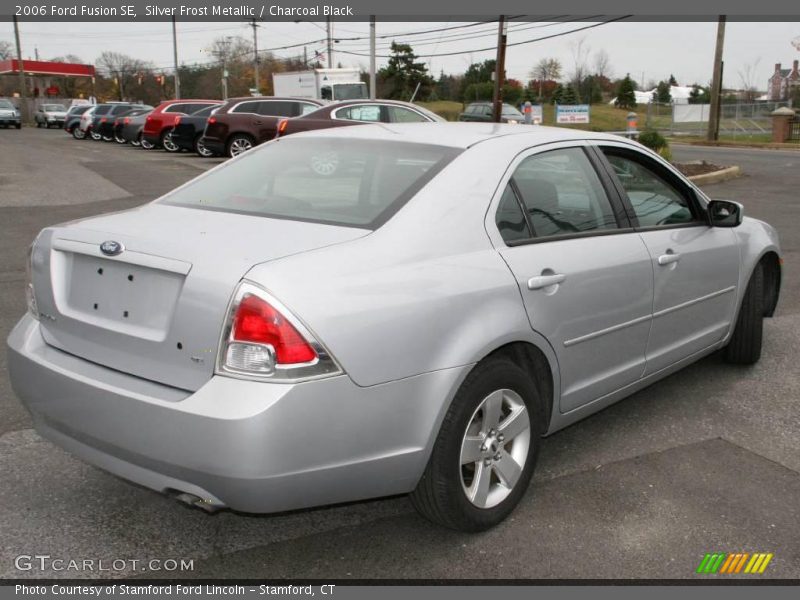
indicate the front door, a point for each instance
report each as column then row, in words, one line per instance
column 696, row 266
column 585, row 276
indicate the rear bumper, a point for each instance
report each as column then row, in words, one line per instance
column 216, row 145
column 254, row 447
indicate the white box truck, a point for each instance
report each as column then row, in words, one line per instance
column 322, row 84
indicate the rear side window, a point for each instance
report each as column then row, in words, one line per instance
column 246, row 107
column 203, row 112
column 277, row 108
column 509, row 218
column 351, row 182
column 307, row 108
column 562, row 193
column 398, row 114
column 102, row 109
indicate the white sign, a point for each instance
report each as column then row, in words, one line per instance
column 577, row 113
column 690, row 113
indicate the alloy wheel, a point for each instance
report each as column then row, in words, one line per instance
column 494, row 448
column 168, row 143
column 202, row 150
column 240, row 145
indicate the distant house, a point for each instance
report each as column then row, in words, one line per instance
column 780, row 84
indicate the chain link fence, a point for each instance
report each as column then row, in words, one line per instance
column 739, row 119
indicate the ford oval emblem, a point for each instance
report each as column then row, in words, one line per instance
column 111, row 248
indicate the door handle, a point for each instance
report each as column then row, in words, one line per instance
column 543, row 281
column 668, row 258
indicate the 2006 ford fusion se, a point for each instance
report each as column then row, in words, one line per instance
column 382, row 309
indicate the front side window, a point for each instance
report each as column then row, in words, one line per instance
column 350, row 182
column 362, row 112
column 654, row 201
column 562, row 194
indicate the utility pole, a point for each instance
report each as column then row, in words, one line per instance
column 225, row 47
column 716, row 83
column 254, row 25
column 329, row 27
column 372, row 57
column 23, row 103
column 499, row 70
column 175, row 58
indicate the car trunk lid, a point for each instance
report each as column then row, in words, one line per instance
column 156, row 308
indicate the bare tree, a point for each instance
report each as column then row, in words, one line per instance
column 6, row 50
column 121, row 68
column 747, row 75
column 580, row 59
column 544, row 70
column 601, row 64
column 67, row 58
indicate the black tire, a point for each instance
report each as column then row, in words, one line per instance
column 38, row 124
column 18, row 125
column 167, row 144
column 744, row 347
column 440, row 496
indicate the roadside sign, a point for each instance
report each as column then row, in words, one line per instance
column 576, row 113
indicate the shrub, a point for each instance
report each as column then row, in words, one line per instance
column 653, row 140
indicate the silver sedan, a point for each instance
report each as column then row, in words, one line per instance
column 382, row 309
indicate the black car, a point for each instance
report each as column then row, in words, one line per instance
column 125, row 119
column 482, row 112
column 74, row 116
column 188, row 131
column 105, row 115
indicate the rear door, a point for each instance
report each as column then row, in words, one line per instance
column 696, row 266
column 584, row 275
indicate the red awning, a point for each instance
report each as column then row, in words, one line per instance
column 42, row 67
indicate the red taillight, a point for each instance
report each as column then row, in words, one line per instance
column 103, row 120
column 258, row 322
column 148, row 119
column 211, row 120
column 177, row 120
column 282, row 126
column 126, row 120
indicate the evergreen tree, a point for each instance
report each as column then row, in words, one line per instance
column 403, row 73
column 625, row 94
column 699, row 95
column 569, row 96
column 558, row 94
column 672, row 80
column 662, row 93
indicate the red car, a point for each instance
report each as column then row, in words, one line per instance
column 159, row 123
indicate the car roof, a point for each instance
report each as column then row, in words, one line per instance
column 455, row 134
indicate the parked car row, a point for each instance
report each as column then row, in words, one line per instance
column 228, row 128
column 9, row 115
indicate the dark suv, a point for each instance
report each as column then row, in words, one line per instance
column 242, row 123
column 105, row 115
column 482, row 111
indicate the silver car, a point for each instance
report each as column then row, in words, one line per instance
column 374, row 310
column 49, row 115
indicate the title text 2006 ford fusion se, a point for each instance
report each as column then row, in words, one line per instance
column 382, row 309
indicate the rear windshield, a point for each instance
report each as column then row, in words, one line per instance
column 6, row 104
column 355, row 183
column 54, row 107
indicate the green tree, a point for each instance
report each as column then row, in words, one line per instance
column 403, row 73
column 672, row 80
column 625, row 94
column 699, row 95
column 662, row 93
column 558, row 94
column 570, row 96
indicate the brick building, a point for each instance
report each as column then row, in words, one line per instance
column 780, row 84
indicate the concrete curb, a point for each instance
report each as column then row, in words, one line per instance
column 717, row 176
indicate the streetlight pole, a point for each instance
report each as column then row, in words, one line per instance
column 175, row 58
column 23, row 103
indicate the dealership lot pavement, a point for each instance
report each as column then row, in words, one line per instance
column 706, row 460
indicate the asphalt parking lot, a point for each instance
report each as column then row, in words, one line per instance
column 706, row 460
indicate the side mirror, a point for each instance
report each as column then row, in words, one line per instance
column 722, row 213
